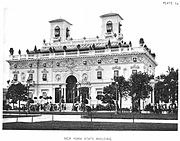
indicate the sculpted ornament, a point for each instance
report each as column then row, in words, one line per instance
column 70, row 63
column 116, row 68
column 57, row 77
column 84, row 78
column 135, row 67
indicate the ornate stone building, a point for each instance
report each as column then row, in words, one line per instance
column 74, row 63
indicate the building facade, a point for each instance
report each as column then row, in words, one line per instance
column 74, row 63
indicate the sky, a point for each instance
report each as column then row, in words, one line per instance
column 25, row 24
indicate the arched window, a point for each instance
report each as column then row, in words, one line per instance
column 57, row 31
column 109, row 27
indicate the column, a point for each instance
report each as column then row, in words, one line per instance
column 152, row 94
column 64, row 92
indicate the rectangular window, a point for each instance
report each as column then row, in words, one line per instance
column 134, row 71
column 99, row 92
column 44, row 77
column 99, row 75
column 44, row 94
column 116, row 73
column 30, row 77
column 15, row 77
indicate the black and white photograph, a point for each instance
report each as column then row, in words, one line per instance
column 89, row 70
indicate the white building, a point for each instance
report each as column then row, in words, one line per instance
column 74, row 63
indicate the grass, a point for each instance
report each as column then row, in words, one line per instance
column 131, row 116
column 74, row 125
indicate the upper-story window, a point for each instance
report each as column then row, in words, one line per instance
column 15, row 78
column 99, row 74
column 57, row 31
column 116, row 73
column 30, row 77
column 44, row 77
column 109, row 27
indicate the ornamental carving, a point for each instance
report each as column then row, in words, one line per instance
column 92, row 62
column 62, row 69
column 47, row 64
column 140, row 59
column 15, row 72
column 84, row 78
column 82, row 68
column 58, row 77
column 135, row 67
column 70, row 63
column 126, row 59
column 30, row 71
column 44, row 71
column 99, row 68
column 116, row 68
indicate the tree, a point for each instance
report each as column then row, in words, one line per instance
column 166, row 89
column 116, row 91
column 109, row 94
column 84, row 92
column 17, row 92
column 123, row 88
column 140, row 87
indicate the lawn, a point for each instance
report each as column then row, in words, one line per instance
column 131, row 116
column 74, row 125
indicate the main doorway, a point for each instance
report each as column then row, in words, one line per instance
column 71, row 89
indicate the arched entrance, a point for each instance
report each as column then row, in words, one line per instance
column 71, row 89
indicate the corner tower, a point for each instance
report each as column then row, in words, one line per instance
column 60, row 30
column 111, row 26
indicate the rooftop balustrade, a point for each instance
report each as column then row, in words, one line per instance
column 119, row 50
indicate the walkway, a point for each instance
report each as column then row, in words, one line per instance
column 78, row 118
